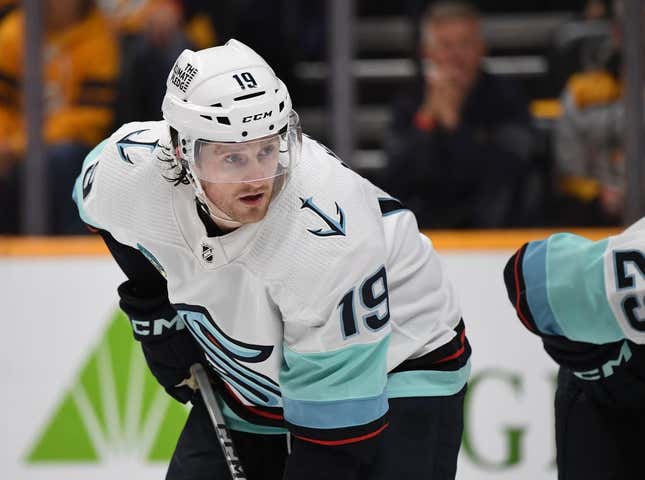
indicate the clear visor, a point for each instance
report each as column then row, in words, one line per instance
column 256, row 160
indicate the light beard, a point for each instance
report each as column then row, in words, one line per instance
column 255, row 213
column 239, row 212
column 235, row 212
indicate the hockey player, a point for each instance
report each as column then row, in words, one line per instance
column 309, row 293
column 585, row 300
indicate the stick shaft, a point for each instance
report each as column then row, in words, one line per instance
column 223, row 435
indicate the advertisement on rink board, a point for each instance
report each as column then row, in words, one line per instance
column 80, row 403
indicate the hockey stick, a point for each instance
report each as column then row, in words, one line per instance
column 223, row 435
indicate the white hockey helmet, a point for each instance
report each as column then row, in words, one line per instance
column 227, row 95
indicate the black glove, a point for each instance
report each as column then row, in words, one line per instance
column 168, row 346
column 611, row 375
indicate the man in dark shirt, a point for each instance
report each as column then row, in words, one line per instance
column 461, row 143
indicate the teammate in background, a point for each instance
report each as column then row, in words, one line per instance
column 585, row 300
column 309, row 292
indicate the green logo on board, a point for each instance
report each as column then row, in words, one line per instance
column 115, row 409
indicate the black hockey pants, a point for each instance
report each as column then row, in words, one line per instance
column 596, row 441
column 422, row 442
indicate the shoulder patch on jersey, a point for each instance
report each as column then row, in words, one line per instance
column 335, row 227
column 126, row 142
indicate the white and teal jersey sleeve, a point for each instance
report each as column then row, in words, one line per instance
column 121, row 187
column 569, row 286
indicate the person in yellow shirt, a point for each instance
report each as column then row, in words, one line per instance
column 80, row 68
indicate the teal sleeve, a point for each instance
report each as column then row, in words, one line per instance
column 565, row 290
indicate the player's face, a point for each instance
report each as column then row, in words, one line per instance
column 243, row 162
column 254, row 166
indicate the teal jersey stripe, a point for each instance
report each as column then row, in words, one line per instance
column 534, row 271
column 335, row 414
column 77, row 191
column 576, row 289
column 354, row 372
column 427, row 383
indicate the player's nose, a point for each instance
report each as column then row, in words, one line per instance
column 256, row 170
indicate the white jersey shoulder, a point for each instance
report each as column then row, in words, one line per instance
column 122, row 188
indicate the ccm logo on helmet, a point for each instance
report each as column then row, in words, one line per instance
column 257, row 116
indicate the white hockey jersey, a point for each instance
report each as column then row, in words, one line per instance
column 313, row 311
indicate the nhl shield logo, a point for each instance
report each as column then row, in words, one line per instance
column 207, row 252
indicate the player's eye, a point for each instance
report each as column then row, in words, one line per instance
column 234, row 159
column 267, row 151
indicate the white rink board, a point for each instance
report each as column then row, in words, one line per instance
column 55, row 310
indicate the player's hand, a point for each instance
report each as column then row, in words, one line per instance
column 444, row 97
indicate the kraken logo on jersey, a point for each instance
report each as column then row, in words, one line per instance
column 126, row 142
column 224, row 354
column 335, row 227
column 88, row 179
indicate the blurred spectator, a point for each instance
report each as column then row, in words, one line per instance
column 585, row 43
column 204, row 23
column 80, row 57
column 595, row 9
column 460, row 147
column 6, row 6
column 283, row 31
column 153, row 33
column 590, row 168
